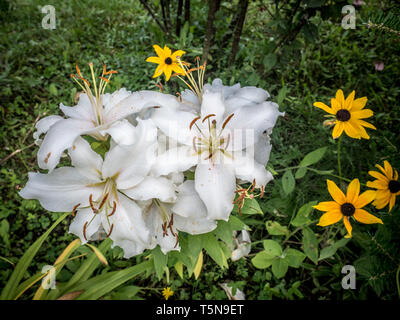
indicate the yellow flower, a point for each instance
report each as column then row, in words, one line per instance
column 167, row 292
column 348, row 114
column 387, row 185
column 167, row 61
column 346, row 206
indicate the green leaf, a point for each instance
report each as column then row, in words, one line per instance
column 262, row 260
column 310, row 244
column 282, row 95
column 273, row 248
column 275, row 229
column 214, row 250
column 250, row 206
column 279, row 267
column 294, row 257
column 328, row 252
column 4, row 230
column 300, row 173
column 237, row 224
column 98, row 286
column 9, row 291
column 53, row 89
column 302, row 216
column 224, row 231
column 160, row 262
column 270, row 61
column 313, row 157
column 288, row 182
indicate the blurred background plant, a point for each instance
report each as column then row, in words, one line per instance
column 298, row 51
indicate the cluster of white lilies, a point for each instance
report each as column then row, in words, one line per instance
column 174, row 164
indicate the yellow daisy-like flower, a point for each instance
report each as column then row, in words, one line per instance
column 346, row 206
column 348, row 114
column 167, row 292
column 167, row 62
column 387, row 185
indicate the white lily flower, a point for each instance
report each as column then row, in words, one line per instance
column 166, row 213
column 97, row 114
column 98, row 191
column 219, row 141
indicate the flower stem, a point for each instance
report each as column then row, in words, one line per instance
column 338, row 157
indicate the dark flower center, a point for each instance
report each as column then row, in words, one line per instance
column 394, row 186
column 168, row 60
column 347, row 209
column 343, row 115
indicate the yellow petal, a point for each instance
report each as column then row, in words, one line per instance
column 377, row 184
column 327, row 206
column 337, row 130
column 335, row 192
column 392, row 202
column 396, row 175
column 167, row 51
column 352, row 191
column 381, row 168
column 324, row 107
column 359, row 103
column 364, row 217
column 365, row 198
column 351, row 131
column 349, row 100
column 177, row 69
column 177, row 53
column 362, row 114
column 158, row 71
column 329, row 218
column 159, row 51
column 378, row 176
column 340, row 98
column 168, row 72
column 366, row 124
column 388, row 170
column 157, row 60
column 355, row 123
column 335, row 105
column 348, row 226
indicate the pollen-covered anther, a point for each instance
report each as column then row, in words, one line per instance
column 193, row 122
column 111, row 229
column 95, row 211
column 84, row 229
column 74, row 209
column 253, row 185
column 105, row 79
column 208, row 116
column 262, row 192
column 177, row 241
column 227, row 120
column 114, row 209
column 103, row 201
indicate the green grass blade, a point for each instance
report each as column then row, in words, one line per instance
column 10, row 290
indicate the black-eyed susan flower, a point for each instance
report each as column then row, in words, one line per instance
column 348, row 114
column 167, row 292
column 387, row 185
column 167, row 61
column 346, row 206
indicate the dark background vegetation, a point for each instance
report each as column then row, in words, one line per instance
column 297, row 50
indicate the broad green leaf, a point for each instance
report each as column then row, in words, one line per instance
column 179, row 268
column 237, row 224
column 273, row 248
column 214, row 250
column 313, row 157
column 224, row 231
column 302, row 216
column 301, row 172
column 275, row 229
column 160, row 262
column 328, row 252
column 281, row 95
column 294, row 257
column 9, row 291
column 279, row 267
column 125, row 293
column 262, row 260
column 288, row 182
column 250, row 206
column 310, row 244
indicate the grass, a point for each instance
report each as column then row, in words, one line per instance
column 35, row 67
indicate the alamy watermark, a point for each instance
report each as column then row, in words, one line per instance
column 349, row 20
column 349, row 281
column 49, row 280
